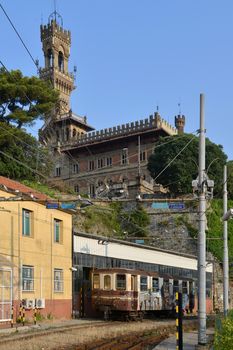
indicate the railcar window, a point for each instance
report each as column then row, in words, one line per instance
column 96, row 281
column 155, row 284
column 184, row 287
column 121, row 282
column 143, row 283
column 175, row 286
column 107, row 282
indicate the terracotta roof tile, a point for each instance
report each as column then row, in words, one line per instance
column 15, row 185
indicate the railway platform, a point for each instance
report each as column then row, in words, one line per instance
column 190, row 341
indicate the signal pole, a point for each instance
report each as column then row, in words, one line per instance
column 225, row 247
column 202, row 226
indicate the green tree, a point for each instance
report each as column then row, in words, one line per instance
column 16, row 144
column 230, row 179
column 24, row 99
column 179, row 174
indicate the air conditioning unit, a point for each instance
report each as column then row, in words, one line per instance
column 28, row 303
column 40, row 303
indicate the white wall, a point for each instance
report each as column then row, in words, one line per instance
column 120, row 251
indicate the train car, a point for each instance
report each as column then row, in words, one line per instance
column 128, row 294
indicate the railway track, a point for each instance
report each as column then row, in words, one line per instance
column 129, row 338
column 36, row 333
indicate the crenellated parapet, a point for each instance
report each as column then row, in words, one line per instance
column 54, row 29
column 154, row 122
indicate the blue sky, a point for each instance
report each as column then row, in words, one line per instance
column 133, row 55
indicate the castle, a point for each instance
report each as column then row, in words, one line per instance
column 104, row 163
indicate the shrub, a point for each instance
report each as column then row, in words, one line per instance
column 223, row 338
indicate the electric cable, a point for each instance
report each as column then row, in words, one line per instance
column 19, row 36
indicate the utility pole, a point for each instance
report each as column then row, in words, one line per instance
column 202, row 236
column 225, row 247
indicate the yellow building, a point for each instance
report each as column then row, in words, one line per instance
column 35, row 253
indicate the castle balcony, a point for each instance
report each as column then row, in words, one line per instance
column 46, row 73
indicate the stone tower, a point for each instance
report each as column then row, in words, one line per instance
column 56, row 44
column 180, row 123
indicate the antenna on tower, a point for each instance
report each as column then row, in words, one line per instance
column 179, row 105
column 55, row 9
column 55, row 15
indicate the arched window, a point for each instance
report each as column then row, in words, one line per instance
column 74, row 132
column 61, row 62
column 50, row 57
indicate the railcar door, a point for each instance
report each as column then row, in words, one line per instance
column 166, row 294
column 156, row 299
column 144, row 298
column 134, row 289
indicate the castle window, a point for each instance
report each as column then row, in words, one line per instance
column 100, row 163
column 109, row 161
column 50, row 57
column 91, row 165
column 60, row 62
column 58, row 171
column 75, row 168
column 76, row 188
column 67, row 133
column 143, row 156
column 92, row 190
column 124, row 156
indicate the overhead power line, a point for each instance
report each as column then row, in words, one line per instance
column 187, row 144
column 19, row 36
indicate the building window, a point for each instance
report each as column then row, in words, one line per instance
column 121, row 282
column 57, row 230
column 27, row 222
column 58, row 280
column 96, row 281
column 143, row 283
column 76, row 188
column 143, row 156
column 107, row 282
column 27, row 278
column 91, row 165
column 109, row 161
column 58, row 171
column 100, row 163
column 75, row 168
column 124, row 156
